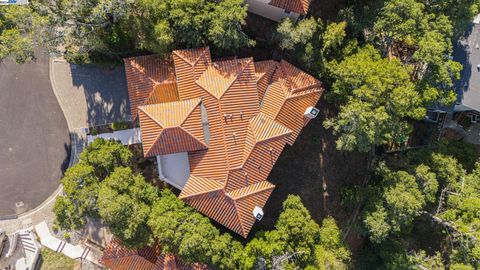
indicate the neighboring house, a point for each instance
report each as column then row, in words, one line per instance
column 218, row 127
column 467, row 52
column 118, row 257
column 278, row 10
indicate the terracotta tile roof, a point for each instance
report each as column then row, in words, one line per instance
column 233, row 117
column 290, row 89
column 297, row 6
column 144, row 74
column 172, row 127
column 118, row 257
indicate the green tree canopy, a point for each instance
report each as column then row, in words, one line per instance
column 298, row 241
column 114, row 28
column 183, row 231
column 401, row 200
column 311, row 43
column 124, row 202
column 378, row 100
column 421, row 39
column 21, row 29
column 105, row 155
column 81, row 182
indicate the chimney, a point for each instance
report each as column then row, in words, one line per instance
column 311, row 112
column 258, row 213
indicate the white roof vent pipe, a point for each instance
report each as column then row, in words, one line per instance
column 311, row 112
column 258, row 213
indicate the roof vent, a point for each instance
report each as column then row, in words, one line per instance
column 258, row 213
column 311, row 112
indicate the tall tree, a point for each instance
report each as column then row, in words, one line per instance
column 378, row 98
column 124, row 202
column 183, row 231
column 21, row 29
column 105, row 155
column 312, row 43
column 297, row 241
column 421, row 39
column 400, row 201
column 81, row 182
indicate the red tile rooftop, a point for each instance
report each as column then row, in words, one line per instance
column 232, row 116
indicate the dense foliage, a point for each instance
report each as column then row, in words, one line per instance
column 108, row 30
column 102, row 185
column 21, row 30
column 428, row 189
column 298, row 242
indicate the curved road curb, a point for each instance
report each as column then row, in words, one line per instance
column 59, row 190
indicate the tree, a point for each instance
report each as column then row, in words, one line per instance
column 460, row 12
column 81, row 182
column 297, row 241
column 400, row 201
column 183, row 231
column 105, row 155
column 66, row 214
column 21, row 30
column 124, row 202
column 80, row 185
column 377, row 98
column 311, row 43
column 330, row 253
column 421, row 39
column 92, row 30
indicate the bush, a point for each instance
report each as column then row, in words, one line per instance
column 120, row 125
column 66, row 236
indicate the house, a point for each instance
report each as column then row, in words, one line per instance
column 217, row 128
column 467, row 52
column 278, row 10
column 118, row 257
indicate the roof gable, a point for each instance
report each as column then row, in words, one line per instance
column 233, row 117
column 297, row 6
column 172, row 127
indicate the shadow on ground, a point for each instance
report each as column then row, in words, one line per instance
column 105, row 92
column 302, row 169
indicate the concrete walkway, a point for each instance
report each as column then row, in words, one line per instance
column 57, row 245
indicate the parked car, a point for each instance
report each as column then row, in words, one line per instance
column 3, row 238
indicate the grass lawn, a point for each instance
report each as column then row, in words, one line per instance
column 51, row 260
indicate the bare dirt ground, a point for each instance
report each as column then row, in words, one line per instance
column 302, row 169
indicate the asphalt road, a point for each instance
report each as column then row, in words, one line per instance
column 34, row 137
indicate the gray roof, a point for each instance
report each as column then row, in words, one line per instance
column 467, row 52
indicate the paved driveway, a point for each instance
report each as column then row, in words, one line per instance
column 91, row 95
column 34, row 137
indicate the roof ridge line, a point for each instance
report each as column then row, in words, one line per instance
column 201, row 55
column 193, row 109
column 314, row 91
column 299, row 89
column 203, row 192
column 186, row 60
column 190, row 134
column 150, row 116
column 251, row 193
column 249, row 61
column 136, row 67
column 237, row 214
